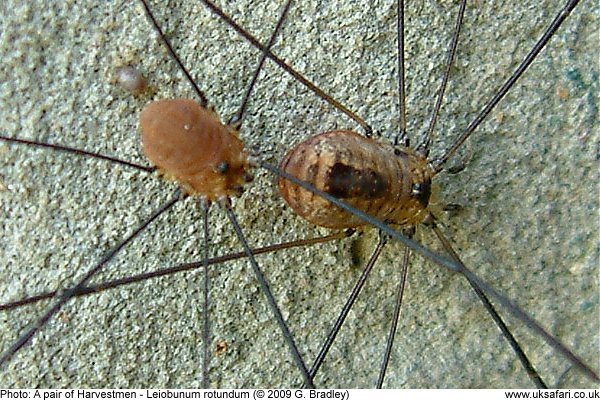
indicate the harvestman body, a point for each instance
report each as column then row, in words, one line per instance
column 390, row 183
column 189, row 145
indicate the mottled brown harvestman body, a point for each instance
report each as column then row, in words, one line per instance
column 390, row 183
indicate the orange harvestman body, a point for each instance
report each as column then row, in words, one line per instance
column 189, row 144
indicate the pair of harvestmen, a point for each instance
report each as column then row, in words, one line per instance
column 434, row 166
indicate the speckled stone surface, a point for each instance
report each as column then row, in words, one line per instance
column 529, row 223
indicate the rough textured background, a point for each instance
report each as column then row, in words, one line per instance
column 529, row 224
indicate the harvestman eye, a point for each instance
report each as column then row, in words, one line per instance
column 223, row 167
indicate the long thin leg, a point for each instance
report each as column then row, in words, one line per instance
column 68, row 295
column 240, row 112
column 299, row 77
column 270, row 299
column 395, row 317
column 533, row 374
column 347, row 306
column 489, row 106
column 97, row 288
column 402, row 137
column 174, row 56
column 206, row 326
column 73, row 150
column 426, row 143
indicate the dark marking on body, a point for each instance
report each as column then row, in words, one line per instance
column 344, row 181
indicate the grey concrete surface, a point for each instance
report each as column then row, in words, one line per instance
column 529, row 224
